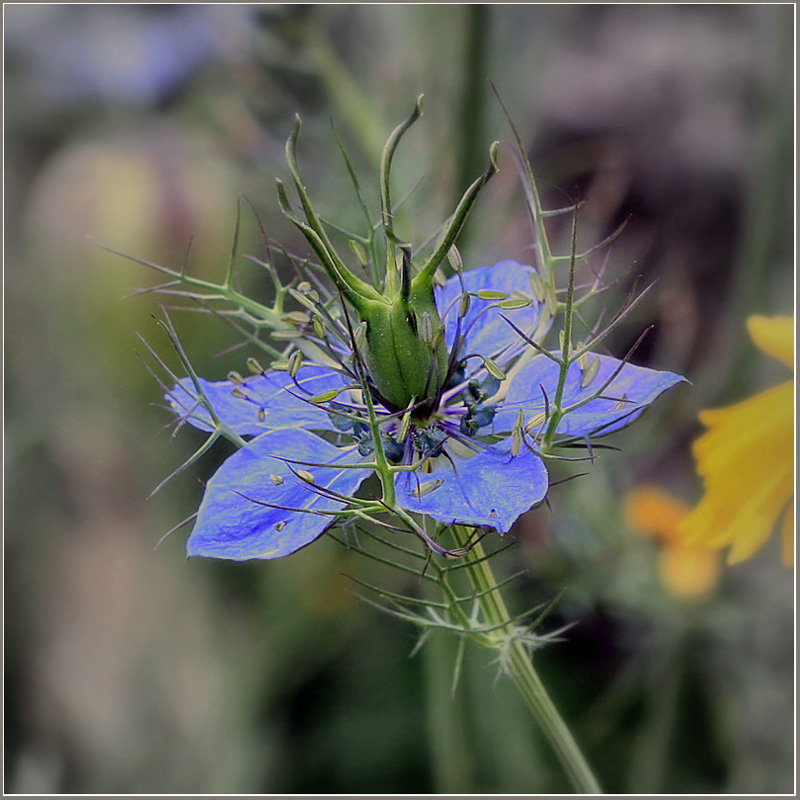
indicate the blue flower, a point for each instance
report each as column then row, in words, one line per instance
column 474, row 455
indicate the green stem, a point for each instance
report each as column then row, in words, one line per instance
column 521, row 668
column 473, row 100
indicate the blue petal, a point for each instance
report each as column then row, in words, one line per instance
column 282, row 400
column 232, row 523
column 619, row 404
column 488, row 333
column 491, row 488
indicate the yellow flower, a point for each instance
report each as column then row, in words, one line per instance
column 746, row 459
column 687, row 571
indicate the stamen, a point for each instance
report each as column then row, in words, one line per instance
column 295, row 362
column 255, row 367
column 491, row 294
column 427, row 487
column 590, row 373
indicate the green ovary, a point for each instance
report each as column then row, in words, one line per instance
column 401, row 364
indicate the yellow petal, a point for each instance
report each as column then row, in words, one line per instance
column 747, row 461
column 775, row 336
column 787, row 536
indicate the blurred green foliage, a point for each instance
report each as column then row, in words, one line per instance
column 130, row 669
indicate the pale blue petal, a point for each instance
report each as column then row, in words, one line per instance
column 232, row 523
column 488, row 333
column 282, row 401
column 619, row 404
column 492, row 488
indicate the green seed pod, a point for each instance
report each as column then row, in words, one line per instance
column 399, row 348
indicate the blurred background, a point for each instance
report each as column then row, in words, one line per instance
column 129, row 669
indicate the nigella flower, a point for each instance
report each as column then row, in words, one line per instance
column 444, row 392
column 472, row 450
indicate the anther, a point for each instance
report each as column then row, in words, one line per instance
column 590, row 373
column 326, row 396
column 463, row 306
column 426, row 488
column 286, row 335
column 537, row 285
column 493, row 369
column 491, row 294
column 254, row 366
column 515, row 303
column 295, row 362
column 296, row 317
column 454, row 257
column 517, row 436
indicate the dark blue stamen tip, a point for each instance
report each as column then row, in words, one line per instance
column 340, row 422
column 430, row 441
column 476, row 417
column 391, row 448
column 478, row 391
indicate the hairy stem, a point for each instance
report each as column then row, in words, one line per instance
column 521, row 667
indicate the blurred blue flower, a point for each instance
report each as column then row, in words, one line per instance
column 69, row 55
column 476, row 457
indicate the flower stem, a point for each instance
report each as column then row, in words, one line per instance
column 521, row 668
